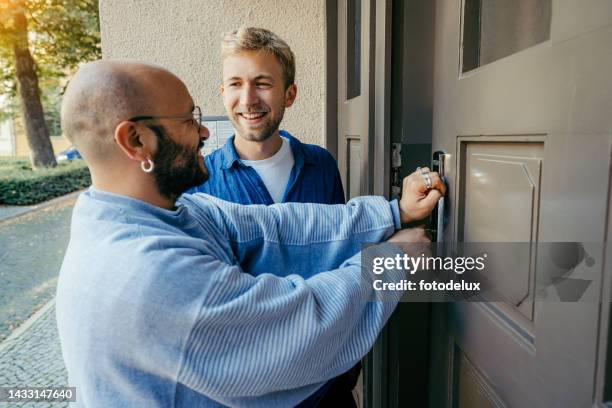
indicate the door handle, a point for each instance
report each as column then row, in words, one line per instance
column 437, row 215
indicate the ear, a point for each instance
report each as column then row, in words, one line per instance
column 135, row 140
column 290, row 95
column 222, row 88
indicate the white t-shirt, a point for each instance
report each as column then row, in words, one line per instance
column 275, row 171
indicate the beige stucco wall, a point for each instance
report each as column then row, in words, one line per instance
column 184, row 36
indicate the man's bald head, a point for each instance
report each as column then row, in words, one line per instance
column 104, row 93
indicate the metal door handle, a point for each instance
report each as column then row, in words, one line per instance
column 440, row 225
column 438, row 215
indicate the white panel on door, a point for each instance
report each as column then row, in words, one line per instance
column 353, row 169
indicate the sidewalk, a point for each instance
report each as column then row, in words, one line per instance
column 31, row 356
column 32, row 246
column 32, row 243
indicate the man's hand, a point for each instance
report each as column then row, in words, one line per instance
column 413, row 241
column 418, row 200
column 410, row 235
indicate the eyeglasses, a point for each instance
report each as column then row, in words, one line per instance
column 196, row 116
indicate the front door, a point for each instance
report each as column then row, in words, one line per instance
column 354, row 106
column 522, row 107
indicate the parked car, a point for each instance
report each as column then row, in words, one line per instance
column 69, row 154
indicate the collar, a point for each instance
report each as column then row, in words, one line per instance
column 301, row 155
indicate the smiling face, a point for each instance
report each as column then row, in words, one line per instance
column 178, row 167
column 254, row 94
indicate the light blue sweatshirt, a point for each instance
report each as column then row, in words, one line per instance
column 216, row 303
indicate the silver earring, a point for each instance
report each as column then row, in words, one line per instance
column 143, row 166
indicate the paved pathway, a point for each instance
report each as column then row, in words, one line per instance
column 32, row 357
column 7, row 211
column 32, row 246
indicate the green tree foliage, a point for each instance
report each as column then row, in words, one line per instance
column 61, row 34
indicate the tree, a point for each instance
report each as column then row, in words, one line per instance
column 43, row 39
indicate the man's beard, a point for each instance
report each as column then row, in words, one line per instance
column 177, row 167
column 259, row 135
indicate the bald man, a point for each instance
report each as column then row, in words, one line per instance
column 200, row 302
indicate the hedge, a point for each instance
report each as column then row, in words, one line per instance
column 19, row 185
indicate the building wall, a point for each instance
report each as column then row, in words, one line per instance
column 22, row 149
column 14, row 143
column 60, row 143
column 7, row 138
column 184, row 37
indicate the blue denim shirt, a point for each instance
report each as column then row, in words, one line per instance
column 314, row 177
column 155, row 310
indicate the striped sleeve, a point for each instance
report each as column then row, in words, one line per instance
column 256, row 335
column 371, row 218
column 259, row 335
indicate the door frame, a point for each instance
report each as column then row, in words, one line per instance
column 379, row 147
column 376, row 152
column 603, row 382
